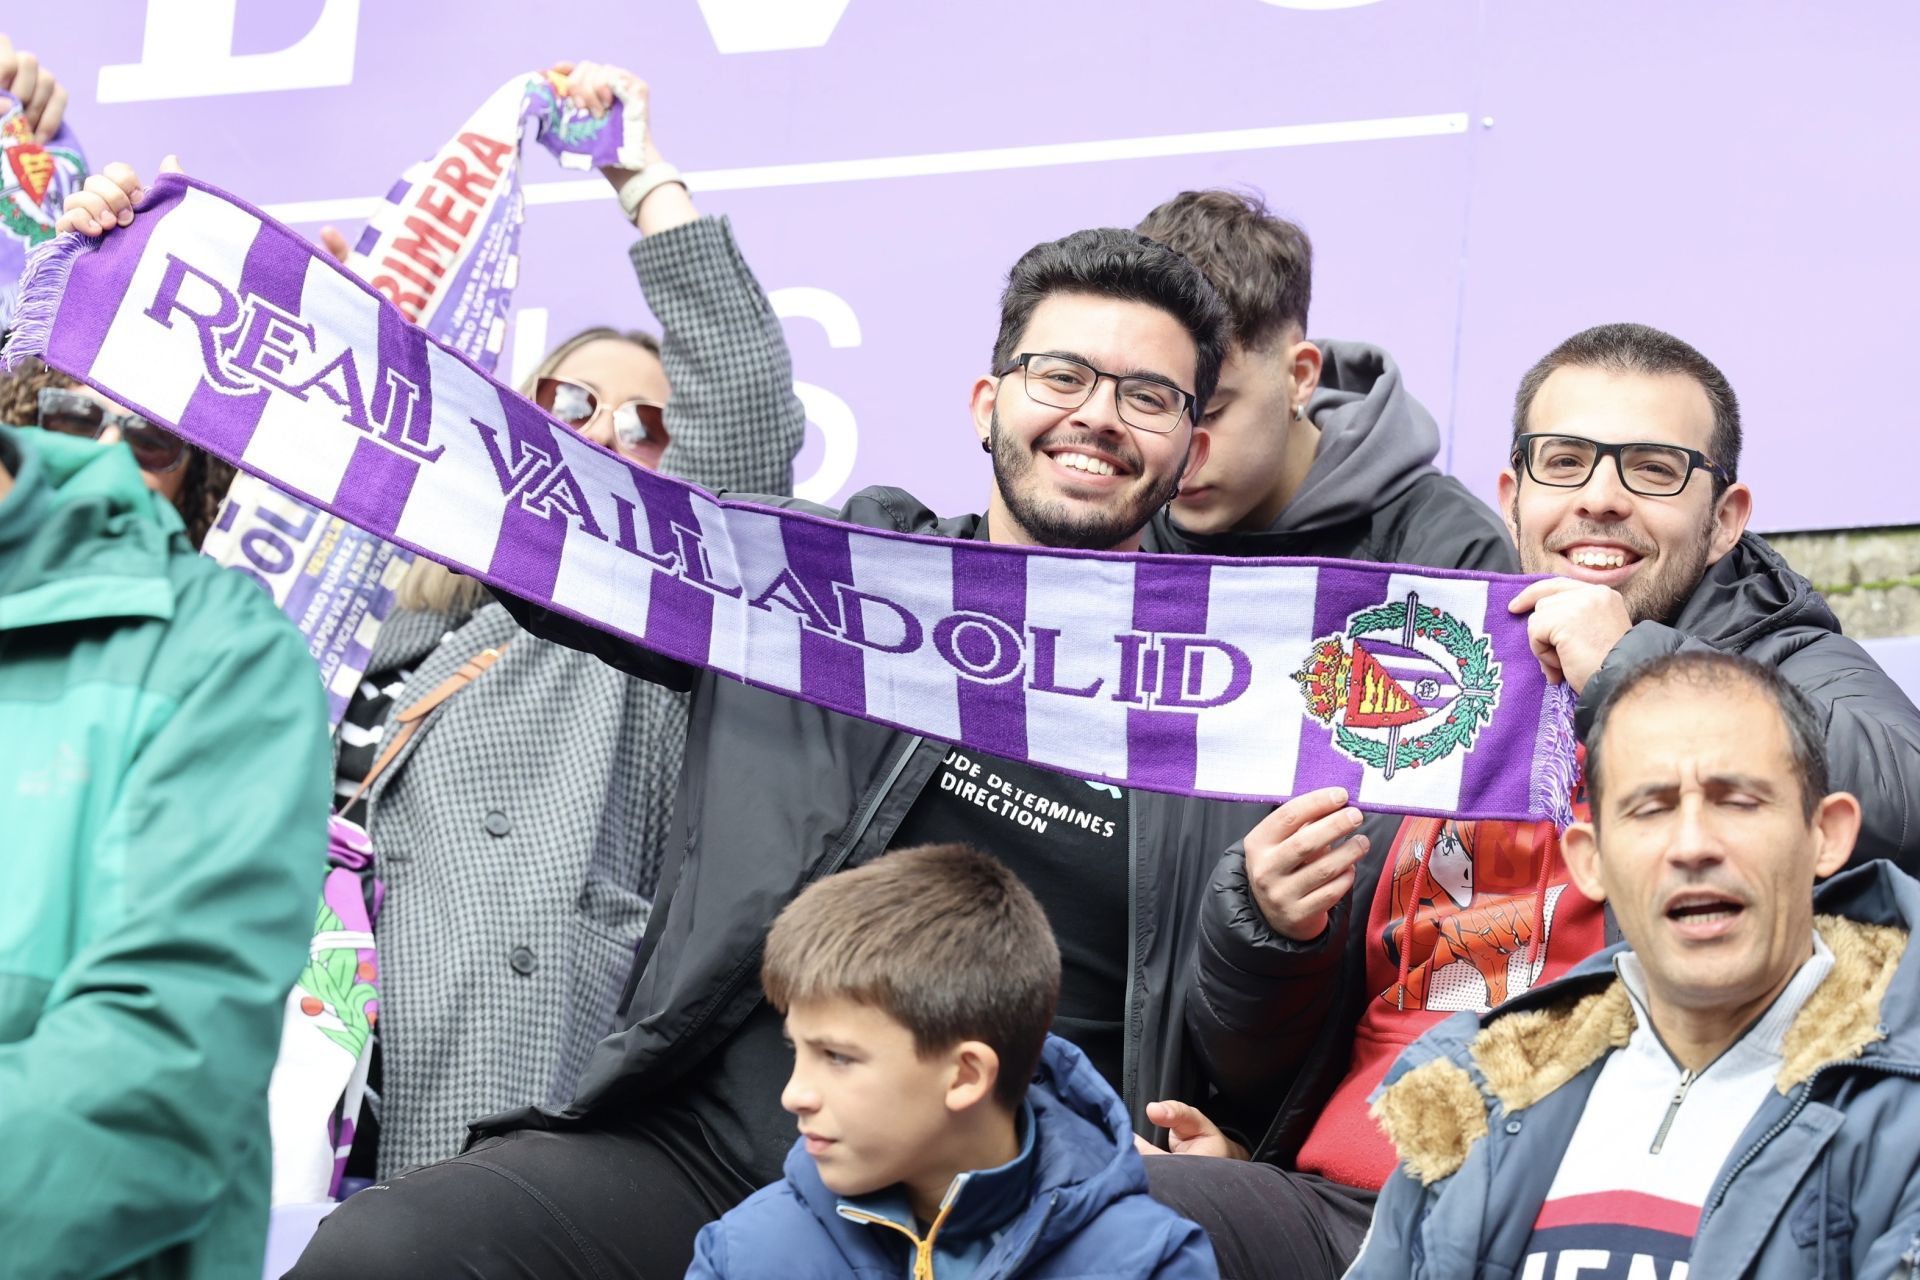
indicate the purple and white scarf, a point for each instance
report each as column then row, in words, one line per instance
column 444, row 248
column 1240, row 679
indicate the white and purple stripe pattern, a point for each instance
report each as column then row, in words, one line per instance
column 1169, row 673
column 446, row 241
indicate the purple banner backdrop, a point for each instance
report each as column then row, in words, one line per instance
column 1481, row 179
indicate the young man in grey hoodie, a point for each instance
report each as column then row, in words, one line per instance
column 1317, row 447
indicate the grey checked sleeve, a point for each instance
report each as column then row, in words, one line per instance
column 734, row 421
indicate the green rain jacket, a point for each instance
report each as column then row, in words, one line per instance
column 163, row 806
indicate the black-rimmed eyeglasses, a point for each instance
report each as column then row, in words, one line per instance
column 1649, row 469
column 1145, row 403
column 72, row 413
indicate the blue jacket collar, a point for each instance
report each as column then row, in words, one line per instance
column 1081, row 1160
column 977, row 1203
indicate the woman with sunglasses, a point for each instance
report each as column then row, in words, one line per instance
column 521, row 831
column 193, row 481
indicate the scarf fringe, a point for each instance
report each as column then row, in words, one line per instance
column 1556, row 756
column 43, row 283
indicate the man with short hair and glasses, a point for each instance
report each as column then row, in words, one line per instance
column 1109, row 345
column 1624, row 485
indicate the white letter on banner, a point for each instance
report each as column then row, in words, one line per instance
column 825, row 410
column 187, row 52
column 529, row 344
column 757, row 26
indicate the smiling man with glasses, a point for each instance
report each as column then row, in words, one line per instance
column 1623, row 485
column 1109, row 345
column 1084, row 456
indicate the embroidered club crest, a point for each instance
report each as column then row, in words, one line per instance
column 1404, row 686
column 36, row 179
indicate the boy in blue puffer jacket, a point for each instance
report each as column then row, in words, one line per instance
column 917, row 993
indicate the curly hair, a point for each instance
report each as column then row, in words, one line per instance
column 20, row 391
column 202, row 493
column 207, row 478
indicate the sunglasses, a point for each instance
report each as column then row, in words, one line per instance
column 71, row 413
column 634, row 421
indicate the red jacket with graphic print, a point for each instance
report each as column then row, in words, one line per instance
column 1461, row 915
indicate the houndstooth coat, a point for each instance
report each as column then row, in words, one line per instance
column 520, row 833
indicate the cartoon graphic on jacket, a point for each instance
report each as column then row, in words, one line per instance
column 1475, row 949
column 1073, row 1203
column 1466, row 916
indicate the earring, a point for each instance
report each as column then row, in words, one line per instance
column 1299, row 413
column 986, row 446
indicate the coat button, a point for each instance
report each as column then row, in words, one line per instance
column 1513, row 1126
column 497, row 824
column 522, row 961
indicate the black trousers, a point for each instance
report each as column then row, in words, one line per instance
column 625, row 1201
column 1265, row 1222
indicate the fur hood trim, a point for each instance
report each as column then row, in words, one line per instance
column 1436, row 1112
column 1433, row 1115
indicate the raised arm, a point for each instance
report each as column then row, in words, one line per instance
column 733, row 420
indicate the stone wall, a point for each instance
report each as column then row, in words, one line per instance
column 1871, row 577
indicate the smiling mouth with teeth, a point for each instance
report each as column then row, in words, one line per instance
column 1598, row 558
column 1085, row 462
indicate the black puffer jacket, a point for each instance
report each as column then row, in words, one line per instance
column 1753, row 603
column 1275, row 1020
column 778, row 793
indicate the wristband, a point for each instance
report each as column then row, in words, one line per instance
column 642, row 184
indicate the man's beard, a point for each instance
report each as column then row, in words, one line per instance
column 1655, row 596
column 1054, row 522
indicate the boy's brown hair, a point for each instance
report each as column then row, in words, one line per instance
column 1261, row 263
column 944, row 940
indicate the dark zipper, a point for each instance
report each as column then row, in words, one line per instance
column 1129, row 1057
column 1793, row 1113
column 865, row 817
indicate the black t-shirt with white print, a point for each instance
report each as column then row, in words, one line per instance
column 1067, row 841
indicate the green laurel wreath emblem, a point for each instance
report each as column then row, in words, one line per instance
column 13, row 212
column 1473, row 657
column 22, row 223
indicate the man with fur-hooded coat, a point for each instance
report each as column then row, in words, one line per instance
column 1735, row 1089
